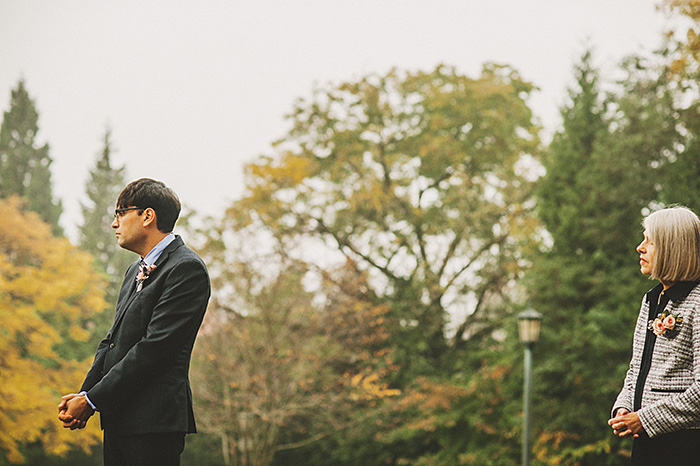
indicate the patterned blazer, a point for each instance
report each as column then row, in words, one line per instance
column 671, row 394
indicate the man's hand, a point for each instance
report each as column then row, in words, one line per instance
column 625, row 424
column 74, row 411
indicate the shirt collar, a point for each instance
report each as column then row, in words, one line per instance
column 155, row 253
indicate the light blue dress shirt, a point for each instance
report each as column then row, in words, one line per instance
column 155, row 253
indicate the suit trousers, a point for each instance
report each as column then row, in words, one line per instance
column 680, row 448
column 162, row 449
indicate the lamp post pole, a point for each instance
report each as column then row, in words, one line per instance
column 529, row 329
column 527, row 399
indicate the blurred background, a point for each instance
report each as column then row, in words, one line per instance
column 378, row 189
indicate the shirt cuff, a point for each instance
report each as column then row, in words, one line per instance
column 88, row 400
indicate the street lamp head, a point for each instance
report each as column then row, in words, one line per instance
column 529, row 326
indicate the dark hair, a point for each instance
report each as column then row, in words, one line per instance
column 145, row 193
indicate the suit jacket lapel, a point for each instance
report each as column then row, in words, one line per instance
column 131, row 277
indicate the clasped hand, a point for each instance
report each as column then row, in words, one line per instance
column 625, row 423
column 74, row 411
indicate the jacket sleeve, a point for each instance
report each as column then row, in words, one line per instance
column 625, row 399
column 95, row 373
column 678, row 410
column 175, row 320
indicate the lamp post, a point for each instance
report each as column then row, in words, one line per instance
column 529, row 329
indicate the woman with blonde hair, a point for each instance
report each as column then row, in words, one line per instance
column 659, row 404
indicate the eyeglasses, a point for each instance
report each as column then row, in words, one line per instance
column 118, row 213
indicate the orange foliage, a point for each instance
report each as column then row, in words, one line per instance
column 689, row 41
column 47, row 287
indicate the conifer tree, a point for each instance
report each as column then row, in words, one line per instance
column 682, row 175
column 564, row 192
column 599, row 179
column 96, row 235
column 24, row 165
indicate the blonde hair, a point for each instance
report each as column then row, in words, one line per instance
column 675, row 233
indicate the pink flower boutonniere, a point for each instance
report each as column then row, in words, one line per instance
column 665, row 322
column 144, row 272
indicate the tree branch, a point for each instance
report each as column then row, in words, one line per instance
column 454, row 278
column 346, row 244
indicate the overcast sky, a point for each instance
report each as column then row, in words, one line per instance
column 193, row 90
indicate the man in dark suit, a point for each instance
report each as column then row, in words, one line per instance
column 139, row 379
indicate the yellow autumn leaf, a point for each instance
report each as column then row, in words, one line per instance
column 47, row 290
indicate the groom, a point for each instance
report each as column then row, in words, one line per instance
column 139, row 379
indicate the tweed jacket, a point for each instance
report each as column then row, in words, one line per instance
column 139, row 378
column 671, row 394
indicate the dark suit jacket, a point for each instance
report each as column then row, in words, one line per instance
column 139, row 379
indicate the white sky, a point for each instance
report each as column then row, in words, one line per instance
column 193, row 90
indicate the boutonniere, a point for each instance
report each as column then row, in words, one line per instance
column 665, row 322
column 144, row 272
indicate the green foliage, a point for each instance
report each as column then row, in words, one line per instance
column 567, row 194
column 422, row 179
column 614, row 159
column 280, row 365
column 602, row 173
column 24, row 166
column 96, row 234
column 681, row 175
column 202, row 450
column 35, row 455
column 471, row 416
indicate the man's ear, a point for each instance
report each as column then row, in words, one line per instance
column 149, row 217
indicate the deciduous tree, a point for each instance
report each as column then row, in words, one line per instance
column 279, row 366
column 424, row 180
column 48, row 292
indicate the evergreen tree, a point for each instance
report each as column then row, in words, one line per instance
column 565, row 191
column 682, row 175
column 600, row 177
column 25, row 166
column 96, row 235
